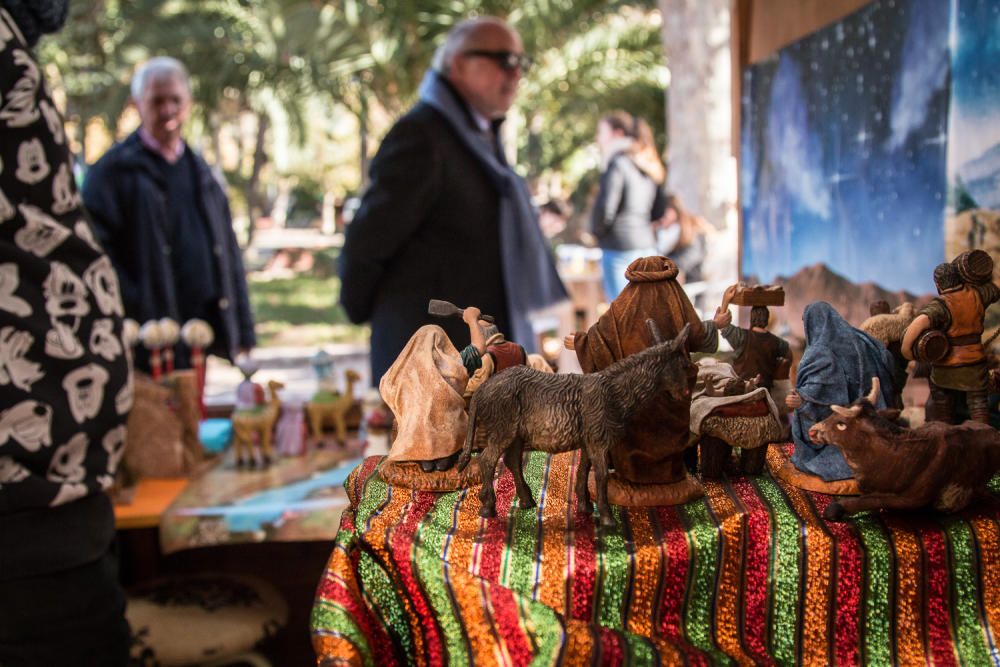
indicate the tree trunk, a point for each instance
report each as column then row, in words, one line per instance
column 255, row 203
column 696, row 39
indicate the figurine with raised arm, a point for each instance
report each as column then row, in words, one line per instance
column 958, row 361
column 758, row 351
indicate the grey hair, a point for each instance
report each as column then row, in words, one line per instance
column 458, row 38
column 158, row 69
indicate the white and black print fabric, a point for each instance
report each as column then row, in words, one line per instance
column 64, row 371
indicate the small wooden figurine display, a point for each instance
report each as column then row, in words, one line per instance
column 255, row 423
column 938, row 464
column 152, row 337
column 522, row 409
column 330, row 408
column 198, row 335
column 648, row 464
column 729, row 412
column 424, row 390
column 888, row 328
column 947, row 333
column 170, row 333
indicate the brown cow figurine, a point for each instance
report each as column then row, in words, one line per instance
column 522, row 409
column 899, row 468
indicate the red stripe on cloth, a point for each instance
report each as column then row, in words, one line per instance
column 848, row 578
column 507, row 618
column 584, row 568
column 402, row 555
column 938, row 614
column 337, row 591
column 756, row 565
column 494, row 538
column 612, row 651
column 674, row 590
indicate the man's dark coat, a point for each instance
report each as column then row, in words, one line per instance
column 126, row 197
column 427, row 228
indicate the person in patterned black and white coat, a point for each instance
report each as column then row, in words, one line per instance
column 65, row 389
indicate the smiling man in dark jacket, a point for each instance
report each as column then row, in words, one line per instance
column 164, row 220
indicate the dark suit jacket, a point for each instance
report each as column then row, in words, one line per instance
column 124, row 193
column 427, row 229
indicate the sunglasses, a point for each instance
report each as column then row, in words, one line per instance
column 507, row 60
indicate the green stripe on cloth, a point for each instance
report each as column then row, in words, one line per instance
column 330, row 615
column 382, row 597
column 548, row 643
column 374, row 496
column 612, row 573
column 703, row 534
column 641, row 652
column 965, row 594
column 785, row 575
column 523, row 538
column 879, row 572
column 432, row 574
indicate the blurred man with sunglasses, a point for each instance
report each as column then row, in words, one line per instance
column 445, row 216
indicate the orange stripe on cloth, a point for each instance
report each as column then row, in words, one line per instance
column 910, row 649
column 464, row 585
column 727, row 600
column 550, row 588
column 579, row 648
column 818, row 554
column 346, row 652
column 988, row 537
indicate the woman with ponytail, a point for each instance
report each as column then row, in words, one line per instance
column 631, row 181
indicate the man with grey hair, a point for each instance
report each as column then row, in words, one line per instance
column 163, row 218
column 445, row 216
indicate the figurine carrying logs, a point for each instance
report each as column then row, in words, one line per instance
column 899, row 468
column 522, row 408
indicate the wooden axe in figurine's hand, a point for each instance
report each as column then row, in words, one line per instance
column 445, row 309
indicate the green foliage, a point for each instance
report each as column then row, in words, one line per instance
column 271, row 57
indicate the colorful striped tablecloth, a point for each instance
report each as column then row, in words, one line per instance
column 750, row 574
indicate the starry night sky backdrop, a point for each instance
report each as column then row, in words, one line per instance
column 843, row 149
column 974, row 116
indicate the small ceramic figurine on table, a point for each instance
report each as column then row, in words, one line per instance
column 960, row 372
column 327, row 407
column 151, row 336
column 170, row 333
column 937, row 465
column 254, row 418
column 836, row 369
column 648, row 464
column 198, row 335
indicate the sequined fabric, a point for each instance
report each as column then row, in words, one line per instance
column 750, row 574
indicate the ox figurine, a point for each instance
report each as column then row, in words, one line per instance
column 522, row 408
column 899, row 468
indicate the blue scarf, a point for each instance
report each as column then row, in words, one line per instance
column 529, row 274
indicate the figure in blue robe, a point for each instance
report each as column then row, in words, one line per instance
column 837, row 367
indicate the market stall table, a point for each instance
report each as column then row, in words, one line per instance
column 295, row 499
column 751, row 573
